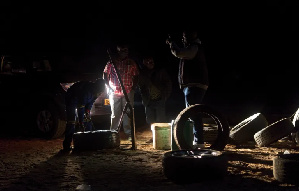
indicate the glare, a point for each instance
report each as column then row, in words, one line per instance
column 253, row 117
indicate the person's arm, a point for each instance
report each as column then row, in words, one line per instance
column 135, row 74
column 105, row 73
column 183, row 53
column 89, row 103
column 80, row 113
column 88, row 108
column 105, row 76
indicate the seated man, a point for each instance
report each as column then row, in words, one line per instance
column 81, row 96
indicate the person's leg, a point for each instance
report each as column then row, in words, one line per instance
column 116, row 110
column 150, row 113
column 88, row 119
column 126, row 119
column 80, row 113
column 160, row 108
column 70, row 126
column 195, row 95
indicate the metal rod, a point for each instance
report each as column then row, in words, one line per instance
column 128, row 104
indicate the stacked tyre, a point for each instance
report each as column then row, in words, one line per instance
column 274, row 132
column 190, row 166
column 286, row 168
column 245, row 130
column 222, row 126
column 96, row 140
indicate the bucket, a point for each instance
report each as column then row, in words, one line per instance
column 187, row 133
column 161, row 136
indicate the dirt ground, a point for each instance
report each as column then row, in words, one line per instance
column 36, row 164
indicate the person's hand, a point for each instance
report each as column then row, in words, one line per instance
column 109, row 90
column 87, row 114
column 169, row 40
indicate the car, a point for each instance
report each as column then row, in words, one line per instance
column 32, row 98
column 101, row 112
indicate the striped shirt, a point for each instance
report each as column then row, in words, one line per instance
column 127, row 69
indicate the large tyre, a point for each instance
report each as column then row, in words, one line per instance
column 295, row 137
column 274, row 132
column 295, row 133
column 245, row 130
column 286, row 168
column 96, row 140
column 189, row 166
column 47, row 121
column 295, row 118
column 183, row 117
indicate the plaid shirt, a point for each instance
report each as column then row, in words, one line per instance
column 127, row 69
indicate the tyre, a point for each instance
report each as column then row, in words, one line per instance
column 96, row 140
column 180, row 121
column 245, row 130
column 295, row 133
column 189, row 166
column 295, row 118
column 274, row 132
column 286, row 168
column 47, row 121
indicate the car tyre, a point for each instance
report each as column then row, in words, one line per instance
column 191, row 166
column 286, row 168
column 96, row 140
column 47, row 121
column 245, row 130
column 180, row 121
column 274, row 132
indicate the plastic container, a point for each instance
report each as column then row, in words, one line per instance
column 188, row 135
column 161, row 136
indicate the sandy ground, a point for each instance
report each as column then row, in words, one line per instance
column 36, row 164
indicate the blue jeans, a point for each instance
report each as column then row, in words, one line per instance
column 195, row 95
column 71, row 106
column 117, row 104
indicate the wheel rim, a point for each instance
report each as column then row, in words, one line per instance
column 202, row 153
column 45, row 121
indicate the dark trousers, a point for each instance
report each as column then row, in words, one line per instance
column 71, row 109
column 195, row 95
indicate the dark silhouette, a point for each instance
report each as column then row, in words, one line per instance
column 192, row 75
column 81, row 97
column 155, row 86
column 128, row 71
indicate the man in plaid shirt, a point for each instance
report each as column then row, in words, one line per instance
column 128, row 71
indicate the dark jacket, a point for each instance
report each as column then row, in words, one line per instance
column 81, row 94
column 154, row 85
column 194, row 72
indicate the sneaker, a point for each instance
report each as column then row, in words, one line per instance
column 66, row 150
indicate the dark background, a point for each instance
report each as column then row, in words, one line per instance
column 252, row 47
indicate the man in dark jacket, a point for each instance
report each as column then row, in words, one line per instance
column 155, row 86
column 81, row 97
column 192, row 76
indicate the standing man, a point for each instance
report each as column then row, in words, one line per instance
column 192, row 76
column 128, row 71
column 81, row 97
column 155, row 86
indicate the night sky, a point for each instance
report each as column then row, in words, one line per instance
column 252, row 47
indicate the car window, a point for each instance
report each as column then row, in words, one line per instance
column 41, row 65
column 10, row 65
